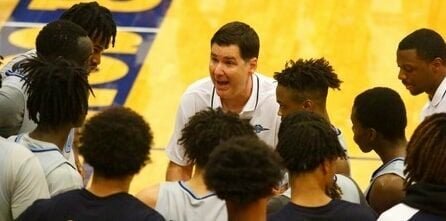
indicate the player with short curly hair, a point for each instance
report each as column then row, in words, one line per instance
column 116, row 142
column 244, row 171
column 186, row 200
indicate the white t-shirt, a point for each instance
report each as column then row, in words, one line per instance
column 176, row 201
column 22, row 180
column 261, row 108
column 438, row 102
column 61, row 175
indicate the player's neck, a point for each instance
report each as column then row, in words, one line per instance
column 102, row 187
column 254, row 211
column 436, row 85
column 196, row 183
column 51, row 135
column 388, row 150
column 237, row 103
column 309, row 190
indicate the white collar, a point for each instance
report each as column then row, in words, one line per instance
column 439, row 93
column 252, row 102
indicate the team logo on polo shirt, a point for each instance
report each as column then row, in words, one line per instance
column 259, row 128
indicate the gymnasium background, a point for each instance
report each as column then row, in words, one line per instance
column 162, row 46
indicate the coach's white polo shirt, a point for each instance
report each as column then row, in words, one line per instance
column 261, row 109
column 438, row 102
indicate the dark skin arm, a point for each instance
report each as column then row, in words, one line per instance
column 386, row 191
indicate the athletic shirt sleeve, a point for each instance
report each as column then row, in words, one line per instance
column 12, row 103
column 30, row 183
column 188, row 107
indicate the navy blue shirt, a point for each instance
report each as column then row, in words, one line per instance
column 335, row 210
column 81, row 205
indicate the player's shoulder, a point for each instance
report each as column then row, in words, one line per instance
column 8, row 70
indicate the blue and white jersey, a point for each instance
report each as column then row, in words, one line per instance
column 60, row 174
column 176, row 201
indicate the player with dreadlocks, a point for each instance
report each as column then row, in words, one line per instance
column 309, row 150
column 303, row 85
column 98, row 22
column 57, row 101
column 425, row 174
column 344, row 187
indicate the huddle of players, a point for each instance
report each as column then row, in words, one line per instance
column 231, row 154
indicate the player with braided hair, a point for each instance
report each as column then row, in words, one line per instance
column 309, row 150
column 57, row 93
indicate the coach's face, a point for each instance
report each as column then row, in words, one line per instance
column 230, row 73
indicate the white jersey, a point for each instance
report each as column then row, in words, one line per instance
column 394, row 166
column 60, row 174
column 438, row 102
column 179, row 203
column 14, row 116
column 22, row 180
column 261, row 109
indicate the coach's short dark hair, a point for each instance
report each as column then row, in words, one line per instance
column 95, row 19
column 428, row 44
column 208, row 128
column 240, row 34
column 382, row 109
column 57, row 91
column 305, row 144
column 243, row 170
column 116, row 142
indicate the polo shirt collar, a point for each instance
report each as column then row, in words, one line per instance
column 439, row 93
column 252, row 101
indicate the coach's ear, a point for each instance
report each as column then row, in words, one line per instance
column 252, row 65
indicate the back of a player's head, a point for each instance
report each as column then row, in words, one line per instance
column 243, row 170
column 426, row 152
column 305, row 144
column 240, row 34
column 116, row 142
column 64, row 39
column 382, row 109
column 95, row 19
column 309, row 78
column 428, row 44
column 208, row 128
column 58, row 92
